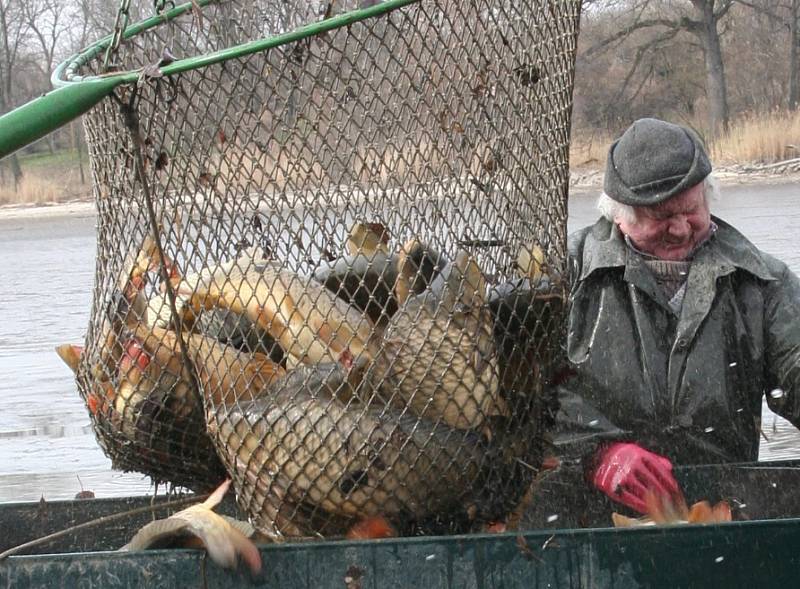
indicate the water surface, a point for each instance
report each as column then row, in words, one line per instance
column 47, row 447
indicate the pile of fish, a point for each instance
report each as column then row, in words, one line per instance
column 393, row 385
column 674, row 511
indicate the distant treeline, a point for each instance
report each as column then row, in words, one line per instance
column 710, row 64
column 706, row 63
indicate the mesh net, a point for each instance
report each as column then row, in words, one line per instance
column 332, row 270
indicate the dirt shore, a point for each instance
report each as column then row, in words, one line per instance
column 78, row 208
column 584, row 180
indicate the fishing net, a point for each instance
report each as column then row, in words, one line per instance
column 332, row 269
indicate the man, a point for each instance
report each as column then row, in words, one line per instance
column 678, row 325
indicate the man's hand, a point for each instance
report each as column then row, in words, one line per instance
column 626, row 472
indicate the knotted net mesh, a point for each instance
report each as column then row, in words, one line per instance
column 333, row 270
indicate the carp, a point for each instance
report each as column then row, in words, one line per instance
column 438, row 356
column 308, row 462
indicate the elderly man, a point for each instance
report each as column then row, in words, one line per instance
column 678, row 325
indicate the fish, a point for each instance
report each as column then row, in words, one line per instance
column 367, row 277
column 226, row 374
column 364, row 281
column 438, row 356
column 367, row 239
column 152, row 407
column 417, row 266
column 530, row 262
column 306, row 319
column 226, row 540
column 305, row 462
column 222, row 324
column 528, row 328
column 127, row 305
column 673, row 511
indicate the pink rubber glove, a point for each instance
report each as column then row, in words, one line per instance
column 626, row 472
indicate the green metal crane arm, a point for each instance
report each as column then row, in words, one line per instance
column 74, row 95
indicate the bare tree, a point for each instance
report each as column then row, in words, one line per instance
column 47, row 24
column 787, row 14
column 794, row 55
column 12, row 31
column 706, row 28
column 701, row 19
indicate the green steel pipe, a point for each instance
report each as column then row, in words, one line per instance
column 45, row 114
column 76, row 95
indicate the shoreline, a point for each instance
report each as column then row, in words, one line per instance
column 74, row 208
column 584, row 180
column 581, row 183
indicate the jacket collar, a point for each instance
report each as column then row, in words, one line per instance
column 605, row 247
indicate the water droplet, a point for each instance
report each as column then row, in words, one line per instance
column 709, row 429
column 594, row 422
column 732, row 364
column 776, row 393
column 430, row 557
column 740, row 409
column 742, row 505
column 719, row 559
column 774, row 485
column 551, row 518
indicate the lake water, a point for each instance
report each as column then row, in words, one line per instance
column 47, row 447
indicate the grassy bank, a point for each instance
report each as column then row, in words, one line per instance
column 759, row 139
column 46, row 178
column 751, row 139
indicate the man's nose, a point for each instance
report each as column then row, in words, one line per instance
column 679, row 226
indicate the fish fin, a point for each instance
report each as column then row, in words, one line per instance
column 701, row 513
column 461, row 284
column 367, row 238
column 224, row 543
column 406, row 270
column 623, row 521
column 216, row 497
column 371, row 528
column 530, row 262
column 155, row 533
column 665, row 510
column 722, row 512
column 70, row 354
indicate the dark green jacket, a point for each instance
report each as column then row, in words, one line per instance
column 688, row 387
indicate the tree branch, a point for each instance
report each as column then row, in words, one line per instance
column 640, row 53
column 761, row 10
column 642, row 24
column 724, row 8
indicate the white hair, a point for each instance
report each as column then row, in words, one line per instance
column 611, row 209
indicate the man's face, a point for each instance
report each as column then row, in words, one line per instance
column 672, row 229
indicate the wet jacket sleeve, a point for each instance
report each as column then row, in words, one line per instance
column 782, row 346
column 579, row 426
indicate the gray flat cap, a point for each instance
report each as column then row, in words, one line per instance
column 652, row 161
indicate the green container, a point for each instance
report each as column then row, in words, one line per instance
column 759, row 553
column 748, row 554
